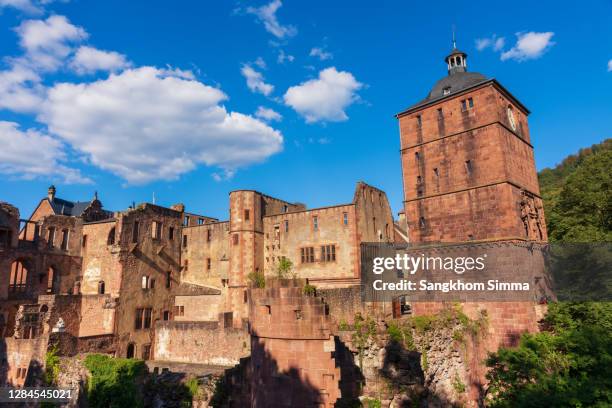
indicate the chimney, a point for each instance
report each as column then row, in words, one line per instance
column 180, row 207
column 51, row 193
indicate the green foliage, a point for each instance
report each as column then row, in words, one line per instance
column 458, row 385
column 577, row 196
column 401, row 333
column 364, row 330
column 257, row 279
column 309, row 290
column 424, row 361
column 193, row 386
column 114, row 381
column 372, row 403
column 283, row 270
column 343, row 325
column 568, row 365
column 52, row 366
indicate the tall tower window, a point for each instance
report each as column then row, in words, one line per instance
column 419, row 121
column 468, row 167
column 422, row 223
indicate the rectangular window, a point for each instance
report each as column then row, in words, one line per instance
column 208, row 235
column 236, row 239
column 286, row 225
column 166, row 315
column 135, row 231
column 138, row 320
column 200, row 221
column 463, row 105
column 315, row 223
column 345, row 218
column 470, row 102
column 436, row 172
column 277, row 232
column 51, row 237
column 186, row 265
column 156, row 230
column 208, row 262
column 419, row 121
column 417, row 157
column 171, row 233
column 146, row 352
column 65, row 240
column 179, row 310
column 146, row 320
column 440, row 114
column 84, row 241
column 168, row 279
column 307, row 255
column 186, row 220
column 247, row 215
column 184, row 241
column 422, row 224
column 328, row 253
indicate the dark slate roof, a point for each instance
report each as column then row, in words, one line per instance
column 64, row 207
column 457, row 82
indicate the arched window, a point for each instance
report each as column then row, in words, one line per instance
column 51, row 280
column 111, row 237
column 131, row 350
column 19, row 276
column 101, row 287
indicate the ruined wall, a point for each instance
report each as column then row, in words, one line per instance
column 292, row 348
column 24, row 359
column 101, row 258
column 142, row 255
column 374, row 216
column 287, row 234
column 206, row 254
column 200, row 342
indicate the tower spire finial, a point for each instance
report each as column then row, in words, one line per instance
column 454, row 42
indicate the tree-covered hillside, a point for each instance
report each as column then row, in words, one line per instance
column 577, row 196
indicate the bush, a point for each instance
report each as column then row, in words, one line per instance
column 52, row 369
column 257, row 279
column 569, row 365
column 309, row 290
column 284, row 268
column 113, row 381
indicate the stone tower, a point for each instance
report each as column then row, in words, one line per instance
column 467, row 162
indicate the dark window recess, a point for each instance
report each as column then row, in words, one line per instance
column 247, row 215
column 135, row 228
column 419, row 121
column 440, row 114
column 138, row 319
column 208, row 262
column 463, row 105
column 236, row 239
column 64, row 245
column 315, row 223
column 468, row 166
column 436, row 172
column 84, row 241
column 417, row 156
column 345, row 218
column 101, row 288
column 171, row 233
column 470, row 102
column 422, row 223
column 51, row 237
column 184, row 241
column 307, row 255
column 208, row 235
column 328, row 253
column 286, row 226
column 168, row 279
column 166, row 315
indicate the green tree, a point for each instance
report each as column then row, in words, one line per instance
column 567, row 365
column 284, row 268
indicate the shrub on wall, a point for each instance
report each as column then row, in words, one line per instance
column 114, row 381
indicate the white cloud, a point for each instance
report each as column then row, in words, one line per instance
column 146, row 124
column 26, row 6
column 31, row 154
column 20, row 89
column 529, row 45
column 494, row 42
column 282, row 57
column 260, row 63
column 610, row 66
column 267, row 15
column 325, row 98
column 88, row 60
column 268, row 114
column 321, row 53
column 48, row 42
column 255, row 81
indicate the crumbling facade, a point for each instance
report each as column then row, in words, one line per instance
column 113, row 277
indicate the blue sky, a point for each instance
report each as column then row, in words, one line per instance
column 193, row 99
